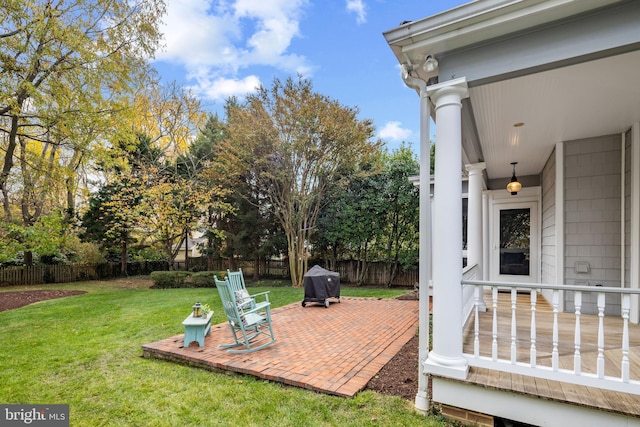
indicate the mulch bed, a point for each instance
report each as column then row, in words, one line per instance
column 17, row 299
column 399, row 377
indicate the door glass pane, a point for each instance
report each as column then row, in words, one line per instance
column 515, row 229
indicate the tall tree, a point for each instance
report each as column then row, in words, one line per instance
column 352, row 223
column 170, row 114
column 375, row 218
column 66, row 66
column 197, row 164
column 401, row 199
column 112, row 216
column 169, row 206
column 299, row 143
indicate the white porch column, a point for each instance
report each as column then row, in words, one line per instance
column 486, row 247
column 474, row 215
column 424, row 278
column 635, row 221
column 475, row 221
column 446, row 357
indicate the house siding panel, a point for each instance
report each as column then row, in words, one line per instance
column 548, row 261
column 592, row 217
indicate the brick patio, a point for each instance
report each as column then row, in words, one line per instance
column 334, row 350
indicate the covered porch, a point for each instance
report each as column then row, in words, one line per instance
column 544, row 93
column 523, row 346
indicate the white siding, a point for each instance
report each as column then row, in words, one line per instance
column 592, row 217
column 548, row 228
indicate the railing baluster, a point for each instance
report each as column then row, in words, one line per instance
column 494, row 333
column 626, row 306
column 577, row 360
column 554, row 352
column 534, row 300
column 476, row 332
column 601, row 303
column 589, row 376
column 514, row 330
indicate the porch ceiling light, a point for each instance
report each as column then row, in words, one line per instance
column 430, row 64
column 514, row 185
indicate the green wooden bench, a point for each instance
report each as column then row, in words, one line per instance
column 196, row 328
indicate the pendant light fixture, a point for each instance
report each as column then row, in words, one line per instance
column 514, row 185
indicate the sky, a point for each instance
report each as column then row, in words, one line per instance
column 223, row 48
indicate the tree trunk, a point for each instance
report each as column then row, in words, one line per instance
column 28, row 258
column 256, row 268
column 8, row 162
column 123, row 252
column 210, row 265
column 392, row 273
column 334, row 258
column 186, row 249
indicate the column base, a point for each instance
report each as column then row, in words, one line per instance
column 422, row 402
column 456, row 368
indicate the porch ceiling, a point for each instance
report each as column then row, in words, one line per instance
column 563, row 70
column 578, row 101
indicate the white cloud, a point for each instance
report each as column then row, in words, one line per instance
column 194, row 38
column 222, row 88
column 357, row 7
column 216, row 40
column 394, row 132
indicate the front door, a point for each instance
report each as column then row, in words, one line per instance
column 514, row 246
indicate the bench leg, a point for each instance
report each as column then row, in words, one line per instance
column 196, row 333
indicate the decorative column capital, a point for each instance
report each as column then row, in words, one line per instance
column 475, row 168
column 440, row 93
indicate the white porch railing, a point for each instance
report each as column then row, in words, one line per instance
column 469, row 273
column 549, row 362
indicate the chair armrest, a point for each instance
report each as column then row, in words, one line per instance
column 259, row 306
column 265, row 294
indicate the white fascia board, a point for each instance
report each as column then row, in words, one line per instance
column 478, row 21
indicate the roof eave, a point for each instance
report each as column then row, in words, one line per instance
column 476, row 22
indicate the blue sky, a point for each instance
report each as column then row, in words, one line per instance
column 220, row 48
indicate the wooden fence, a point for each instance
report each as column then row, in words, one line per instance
column 46, row 274
column 63, row 273
column 377, row 273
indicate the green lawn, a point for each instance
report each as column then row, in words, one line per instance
column 85, row 351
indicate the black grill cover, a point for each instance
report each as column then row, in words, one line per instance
column 320, row 284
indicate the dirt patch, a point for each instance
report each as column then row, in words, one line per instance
column 17, row 299
column 399, row 377
column 411, row 296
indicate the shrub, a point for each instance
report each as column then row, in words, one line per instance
column 185, row 279
column 170, row 279
column 85, row 252
column 204, row 279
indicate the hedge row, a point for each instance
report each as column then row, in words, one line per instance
column 185, row 279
